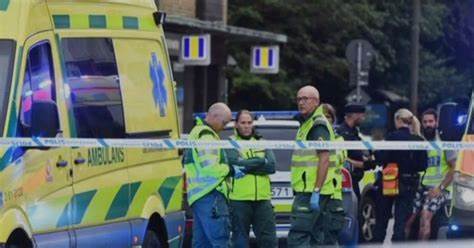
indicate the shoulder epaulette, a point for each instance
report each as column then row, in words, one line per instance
column 205, row 132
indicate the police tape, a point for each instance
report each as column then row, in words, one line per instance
column 232, row 144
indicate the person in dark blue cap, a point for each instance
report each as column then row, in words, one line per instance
column 354, row 115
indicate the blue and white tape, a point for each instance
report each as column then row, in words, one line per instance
column 267, row 144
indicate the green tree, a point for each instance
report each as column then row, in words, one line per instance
column 319, row 31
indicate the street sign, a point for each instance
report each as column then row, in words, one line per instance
column 196, row 50
column 363, row 77
column 359, row 96
column 265, row 59
column 360, row 51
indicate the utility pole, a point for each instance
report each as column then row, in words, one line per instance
column 415, row 48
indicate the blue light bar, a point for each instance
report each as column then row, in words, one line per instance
column 276, row 115
column 454, row 228
column 461, row 120
column 268, row 115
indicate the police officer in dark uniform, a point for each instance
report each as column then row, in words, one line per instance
column 354, row 115
column 410, row 164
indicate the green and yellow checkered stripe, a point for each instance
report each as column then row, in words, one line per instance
column 106, row 204
column 115, row 22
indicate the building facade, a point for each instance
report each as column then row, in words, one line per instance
column 200, row 86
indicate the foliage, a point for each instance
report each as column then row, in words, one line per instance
column 319, row 30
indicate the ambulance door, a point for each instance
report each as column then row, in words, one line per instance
column 150, row 113
column 44, row 172
column 99, row 174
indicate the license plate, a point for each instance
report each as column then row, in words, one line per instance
column 282, row 192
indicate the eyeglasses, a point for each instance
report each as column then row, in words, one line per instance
column 225, row 122
column 304, row 99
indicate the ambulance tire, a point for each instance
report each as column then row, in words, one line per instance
column 19, row 239
column 152, row 240
column 367, row 219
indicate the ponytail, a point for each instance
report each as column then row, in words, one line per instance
column 409, row 120
column 415, row 127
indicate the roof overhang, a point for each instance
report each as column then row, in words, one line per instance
column 186, row 24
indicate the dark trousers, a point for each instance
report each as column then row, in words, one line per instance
column 355, row 187
column 403, row 208
column 357, row 175
column 311, row 228
column 259, row 215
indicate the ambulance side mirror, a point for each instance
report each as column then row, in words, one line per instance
column 44, row 120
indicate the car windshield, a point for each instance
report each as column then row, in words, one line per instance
column 470, row 127
column 283, row 157
column 7, row 51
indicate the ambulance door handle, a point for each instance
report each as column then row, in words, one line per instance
column 79, row 160
column 61, row 163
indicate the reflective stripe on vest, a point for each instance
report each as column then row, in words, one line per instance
column 341, row 158
column 304, row 163
column 437, row 168
column 251, row 187
column 308, row 158
column 206, row 169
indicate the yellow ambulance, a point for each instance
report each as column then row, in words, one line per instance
column 461, row 221
column 87, row 69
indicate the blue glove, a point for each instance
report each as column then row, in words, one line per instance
column 238, row 172
column 314, row 202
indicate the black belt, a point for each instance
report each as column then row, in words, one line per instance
column 410, row 176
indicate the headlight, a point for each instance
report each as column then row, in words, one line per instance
column 464, row 197
column 464, row 191
column 464, row 180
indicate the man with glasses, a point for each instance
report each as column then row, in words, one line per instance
column 207, row 172
column 316, row 213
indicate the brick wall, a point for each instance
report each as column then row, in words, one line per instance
column 186, row 8
column 212, row 10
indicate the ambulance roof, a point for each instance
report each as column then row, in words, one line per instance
column 21, row 18
column 136, row 3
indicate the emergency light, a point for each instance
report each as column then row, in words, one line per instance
column 159, row 17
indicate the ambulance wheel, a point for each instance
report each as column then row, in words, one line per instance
column 151, row 240
column 367, row 219
column 19, row 239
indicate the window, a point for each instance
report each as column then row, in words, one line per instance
column 94, row 86
column 7, row 51
column 38, row 84
column 283, row 157
column 145, row 75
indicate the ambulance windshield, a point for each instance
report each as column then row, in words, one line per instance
column 7, row 51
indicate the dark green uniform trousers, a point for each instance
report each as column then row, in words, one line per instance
column 315, row 228
column 259, row 215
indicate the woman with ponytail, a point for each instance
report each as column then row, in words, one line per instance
column 409, row 164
